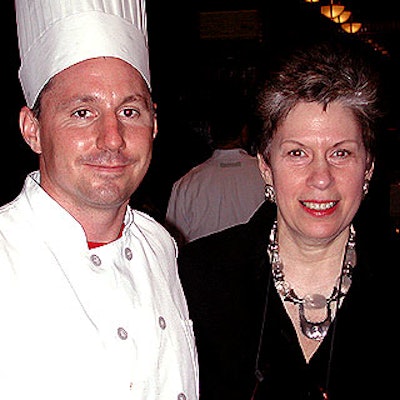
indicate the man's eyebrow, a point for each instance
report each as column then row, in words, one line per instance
column 137, row 98
column 87, row 99
column 76, row 100
column 134, row 97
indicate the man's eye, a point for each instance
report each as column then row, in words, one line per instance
column 81, row 113
column 130, row 112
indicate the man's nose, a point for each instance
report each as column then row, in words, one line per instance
column 110, row 133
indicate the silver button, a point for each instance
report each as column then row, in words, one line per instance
column 95, row 259
column 122, row 333
column 128, row 253
column 181, row 396
column 162, row 323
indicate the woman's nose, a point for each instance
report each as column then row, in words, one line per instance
column 320, row 174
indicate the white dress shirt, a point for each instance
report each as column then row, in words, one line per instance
column 223, row 191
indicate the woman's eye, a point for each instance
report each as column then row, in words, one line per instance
column 296, row 153
column 341, row 153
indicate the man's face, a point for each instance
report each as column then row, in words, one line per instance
column 95, row 134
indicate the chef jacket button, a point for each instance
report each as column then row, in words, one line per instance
column 122, row 333
column 95, row 259
column 128, row 253
column 162, row 323
column 181, row 396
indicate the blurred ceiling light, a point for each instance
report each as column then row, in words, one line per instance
column 343, row 17
column 332, row 10
column 351, row 27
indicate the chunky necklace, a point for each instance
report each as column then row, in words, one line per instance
column 313, row 330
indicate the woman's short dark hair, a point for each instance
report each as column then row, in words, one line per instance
column 324, row 72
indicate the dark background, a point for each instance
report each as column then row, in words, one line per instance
column 193, row 53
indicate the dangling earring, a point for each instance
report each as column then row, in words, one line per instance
column 270, row 193
column 365, row 187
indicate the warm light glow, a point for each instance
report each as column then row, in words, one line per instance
column 343, row 17
column 311, row 1
column 332, row 10
column 352, row 27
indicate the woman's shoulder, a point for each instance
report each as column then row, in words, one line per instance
column 234, row 243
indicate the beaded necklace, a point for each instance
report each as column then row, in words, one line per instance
column 313, row 330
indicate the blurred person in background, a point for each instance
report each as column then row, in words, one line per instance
column 225, row 189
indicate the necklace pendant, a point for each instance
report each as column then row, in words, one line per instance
column 314, row 330
column 314, row 301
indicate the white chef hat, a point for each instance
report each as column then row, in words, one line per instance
column 55, row 34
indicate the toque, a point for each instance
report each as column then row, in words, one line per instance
column 56, row 34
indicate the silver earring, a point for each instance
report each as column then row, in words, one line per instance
column 270, row 193
column 365, row 187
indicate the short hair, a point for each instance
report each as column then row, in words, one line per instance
column 324, row 72
column 228, row 115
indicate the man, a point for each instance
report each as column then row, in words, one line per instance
column 91, row 303
column 227, row 188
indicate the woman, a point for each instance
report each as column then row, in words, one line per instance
column 293, row 304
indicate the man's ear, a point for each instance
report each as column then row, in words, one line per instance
column 155, row 128
column 265, row 170
column 30, row 129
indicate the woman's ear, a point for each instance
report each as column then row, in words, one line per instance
column 369, row 172
column 264, row 169
column 30, row 129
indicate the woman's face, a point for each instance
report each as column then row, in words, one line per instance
column 318, row 165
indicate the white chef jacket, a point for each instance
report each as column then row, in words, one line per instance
column 109, row 323
column 223, row 191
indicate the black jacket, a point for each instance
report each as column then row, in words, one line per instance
column 225, row 278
